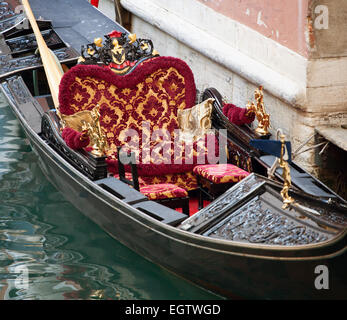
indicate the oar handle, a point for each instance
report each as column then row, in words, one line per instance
column 52, row 67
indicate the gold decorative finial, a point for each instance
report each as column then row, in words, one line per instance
column 287, row 181
column 144, row 45
column 259, row 110
column 90, row 51
column 98, row 42
column 81, row 59
column 132, row 38
column 96, row 133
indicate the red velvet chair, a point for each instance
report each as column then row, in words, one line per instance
column 167, row 194
column 214, row 179
column 152, row 93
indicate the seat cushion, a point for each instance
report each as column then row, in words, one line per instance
column 220, row 173
column 186, row 180
column 163, row 191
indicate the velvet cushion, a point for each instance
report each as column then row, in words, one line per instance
column 237, row 115
column 163, row 191
column 74, row 139
column 167, row 157
column 221, row 173
column 186, row 180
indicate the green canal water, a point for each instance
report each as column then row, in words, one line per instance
column 51, row 251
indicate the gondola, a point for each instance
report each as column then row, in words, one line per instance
column 246, row 242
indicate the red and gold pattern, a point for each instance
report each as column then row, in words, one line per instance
column 186, row 180
column 221, row 173
column 163, row 191
column 167, row 157
column 134, row 107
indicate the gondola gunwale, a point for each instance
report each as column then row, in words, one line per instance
column 39, row 142
column 296, row 166
column 34, row 67
column 15, row 17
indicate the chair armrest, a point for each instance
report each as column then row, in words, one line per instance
column 243, row 133
column 93, row 167
column 240, row 153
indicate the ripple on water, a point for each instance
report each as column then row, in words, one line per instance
column 49, row 250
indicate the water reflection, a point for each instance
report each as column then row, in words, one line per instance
column 49, row 250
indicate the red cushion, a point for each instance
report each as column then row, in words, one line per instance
column 186, row 180
column 163, row 191
column 74, row 139
column 179, row 158
column 236, row 115
column 221, row 173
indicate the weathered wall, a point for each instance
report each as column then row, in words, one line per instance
column 329, row 28
column 327, row 67
column 283, row 21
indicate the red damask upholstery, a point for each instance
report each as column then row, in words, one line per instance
column 158, row 191
column 163, row 191
column 221, row 173
column 152, row 93
column 186, row 180
column 135, row 109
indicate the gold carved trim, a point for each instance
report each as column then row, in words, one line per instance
column 259, row 110
column 287, row 181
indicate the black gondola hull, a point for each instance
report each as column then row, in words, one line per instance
column 230, row 269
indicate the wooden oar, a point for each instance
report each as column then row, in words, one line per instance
column 53, row 69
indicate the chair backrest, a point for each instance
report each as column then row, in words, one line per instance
column 152, row 93
column 129, row 159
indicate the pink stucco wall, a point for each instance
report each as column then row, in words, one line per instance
column 284, row 21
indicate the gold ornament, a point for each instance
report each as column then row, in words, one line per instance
column 98, row 42
column 132, row 38
column 96, row 133
column 259, row 110
column 287, row 181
